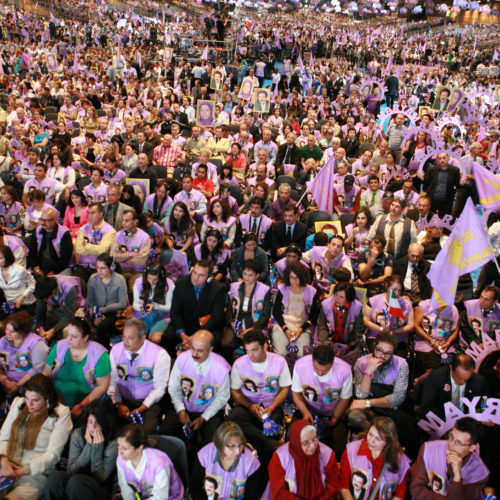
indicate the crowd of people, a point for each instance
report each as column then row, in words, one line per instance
column 174, row 283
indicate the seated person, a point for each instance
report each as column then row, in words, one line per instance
column 374, row 266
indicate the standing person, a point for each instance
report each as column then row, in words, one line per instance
column 144, row 471
column 451, row 469
column 91, row 460
column 378, row 455
column 33, row 437
column 226, row 468
column 304, row 468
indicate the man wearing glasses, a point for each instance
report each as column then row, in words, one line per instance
column 454, row 464
column 380, row 383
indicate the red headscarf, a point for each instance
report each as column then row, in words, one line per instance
column 307, row 470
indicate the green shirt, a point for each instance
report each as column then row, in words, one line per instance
column 71, row 381
column 306, row 153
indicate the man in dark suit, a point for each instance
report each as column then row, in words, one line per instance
column 179, row 116
column 196, row 303
column 451, row 383
column 289, row 230
column 423, row 210
column 143, row 146
column 441, row 183
column 392, row 84
column 413, row 270
column 288, row 154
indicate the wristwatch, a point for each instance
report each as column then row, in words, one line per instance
column 368, row 404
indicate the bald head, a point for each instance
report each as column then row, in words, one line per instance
column 49, row 219
column 201, row 345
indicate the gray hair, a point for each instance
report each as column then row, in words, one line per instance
column 139, row 325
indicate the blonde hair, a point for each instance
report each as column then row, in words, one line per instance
column 225, row 432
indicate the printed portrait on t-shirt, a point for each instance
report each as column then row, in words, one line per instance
column 250, row 384
column 332, row 394
column 22, row 361
column 237, row 489
column 436, row 482
column 91, row 376
column 493, row 325
column 122, row 371
column 2, row 220
column 207, row 394
column 258, row 309
column 211, row 485
column 444, row 327
column 477, row 325
column 144, row 373
column 388, row 493
column 4, row 361
column 311, row 393
column 271, row 384
column 359, row 480
column 187, row 386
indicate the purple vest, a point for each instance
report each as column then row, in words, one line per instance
column 204, row 389
column 115, row 178
column 488, row 325
column 322, row 397
column 223, row 227
column 56, row 242
column 440, row 325
column 380, row 308
column 353, row 313
column 178, row 265
column 259, row 294
column 46, row 206
column 159, row 315
column 309, row 293
column 259, row 69
column 156, row 461
column 288, row 464
column 96, row 195
column 220, row 259
column 91, row 260
column 435, row 463
column 160, row 211
column 230, row 484
column 324, row 278
column 137, row 382
column 265, row 384
column 16, row 357
column 347, row 206
column 11, row 214
column 180, row 238
column 65, row 284
column 46, row 186
column 264, row 226
column 360, row 242
column 281, row 265
column 233, row 204
column 390, row 480
column 14, row 243
column 193, row 201
column 133, row 245
column 94, row 353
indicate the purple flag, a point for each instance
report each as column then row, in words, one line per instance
column 52, row 18
column 301, row 65
column 488, row 187
column 389, row 65
column 321, row 187
column 25, row 34
column 241, row 35
column 204, row 55
column 278, row 43
column 267, row 44
column 398, row 73
column 465, row 250
column 495, row 56
column 311, row 61
column 75, row 62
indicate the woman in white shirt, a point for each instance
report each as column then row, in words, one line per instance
column 16, row 283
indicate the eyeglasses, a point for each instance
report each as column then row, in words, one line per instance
column 235, row 446
column 47, row 220
column 452, row 439
column 380, row 352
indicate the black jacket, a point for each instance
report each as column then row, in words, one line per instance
column 292, row 157
column 437, row 390
column 431, row 179
column 401, row 266
column 57, row 263
column 278, row 235
column 186, row 311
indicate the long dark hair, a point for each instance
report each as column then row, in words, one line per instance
column 205, row 252
column 155, row 269
column 185, row 222
column 105, row 414
column 46, row 388
column 226, row 210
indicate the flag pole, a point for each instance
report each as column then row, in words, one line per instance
column 308, row 189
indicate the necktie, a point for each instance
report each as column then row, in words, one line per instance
column 391, row 244
column 372, row 201
column 455, row 396
column 415, row 290
column 133, row 356
column 288, row 238
column 197, row 292
column 254, row 225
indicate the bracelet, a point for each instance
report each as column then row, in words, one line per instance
column 284, row 328
column 366, row 374
column 272, row 407
column 333, row 421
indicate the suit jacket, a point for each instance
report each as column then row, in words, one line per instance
column 437, row 390
column 401, row 266
column 292, row 158
column 147, row 148
column 186, row 311
column 413, row 214
column 452, row 184
column 278, row 235
column 108, row 215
